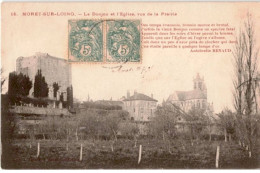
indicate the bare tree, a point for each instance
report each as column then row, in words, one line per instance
column 164, row 122
column 251, row 55
column 245, row 55
column 238, row 55
column 130, row 129
column 198, row 121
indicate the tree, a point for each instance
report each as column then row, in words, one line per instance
column 56, row 87
column 238, row 63
column 61, row 97
column 227, row 123
column 13, row 86
column 8, row 120
column 164, row 122
column 40, row 86
column 197, row 120
column 19, row 86
column 8, row 130
column 130, row 129
column 90, row 120
column 70, row 97
column 112, row 121
column 246, row 56
column 25, row 84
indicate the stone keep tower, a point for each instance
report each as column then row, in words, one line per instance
column 53, row 69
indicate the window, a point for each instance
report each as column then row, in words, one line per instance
column 200, row 86
column 203, row 104
column 198, row 103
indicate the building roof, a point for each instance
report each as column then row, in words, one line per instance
column 41, row 55
column 139, row 96
column 187, row 95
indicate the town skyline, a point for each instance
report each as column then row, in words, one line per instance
column 181, row 84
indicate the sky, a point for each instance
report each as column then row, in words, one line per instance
column 170, row 69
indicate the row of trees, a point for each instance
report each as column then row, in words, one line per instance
column 19, row 87
column 95, row 105
column 90, row 124
column 101, row 123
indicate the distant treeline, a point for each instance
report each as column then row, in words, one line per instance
column 93, row 105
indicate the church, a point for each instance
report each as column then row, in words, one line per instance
column 196, row 98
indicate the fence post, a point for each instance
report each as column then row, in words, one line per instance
column 112, row 148
column 80, row 155
column 67, row 135
column 140, row 154
column 217, row 157
column 249, row 148
column 246, row 147
column 225, row 133
column 77, row 138
column 38, row 149
column 67, row 146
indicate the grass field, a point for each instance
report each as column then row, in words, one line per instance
column 98, row 154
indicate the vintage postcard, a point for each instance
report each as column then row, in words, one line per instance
column 133, row 85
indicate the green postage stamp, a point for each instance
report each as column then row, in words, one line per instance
column 85, row 40
column 123, row 41
column 108, row 41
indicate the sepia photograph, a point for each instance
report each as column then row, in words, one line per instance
column 130, row 85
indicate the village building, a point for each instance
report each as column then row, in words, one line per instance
column 140, row 106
